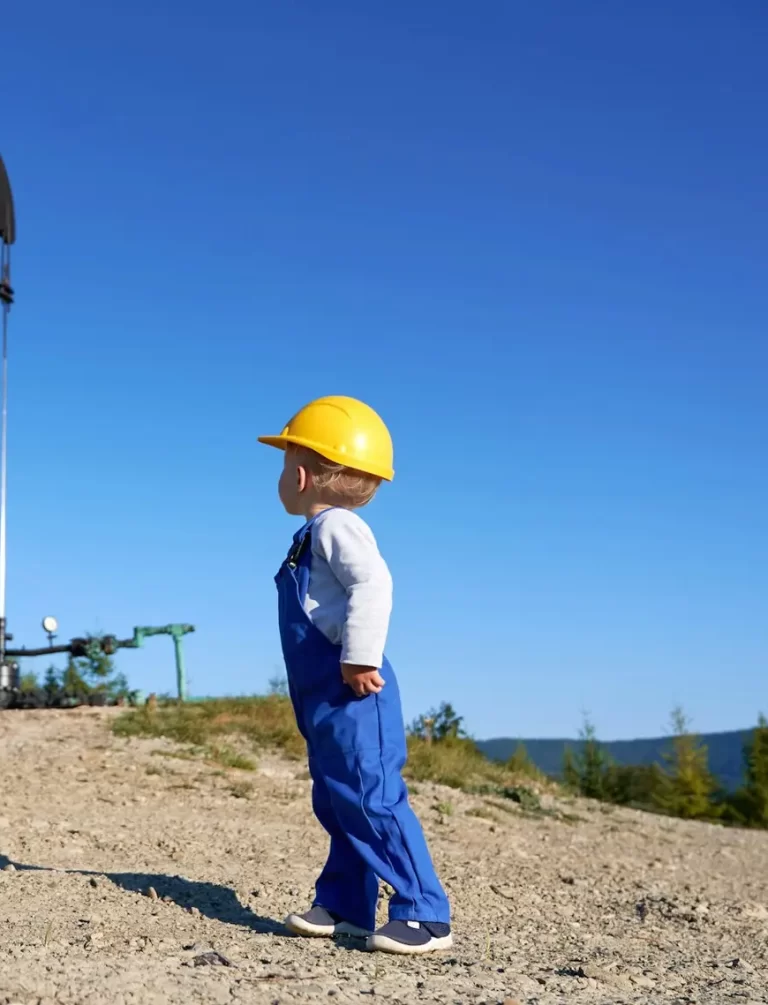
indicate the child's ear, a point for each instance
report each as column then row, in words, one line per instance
column 302, row 478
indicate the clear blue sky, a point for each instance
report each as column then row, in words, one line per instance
column 533, row 236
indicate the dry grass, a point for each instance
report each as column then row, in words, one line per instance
column 481, row 813
column 262, row 722
column 267, row 722
column 241, row 790
column 457, row 763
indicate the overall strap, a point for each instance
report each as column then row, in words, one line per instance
column 299, row 560
column 302, row 540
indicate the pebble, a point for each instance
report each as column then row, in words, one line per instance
column 212, row 959
column 642, row 981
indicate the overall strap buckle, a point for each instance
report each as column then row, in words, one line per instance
column 294, row 555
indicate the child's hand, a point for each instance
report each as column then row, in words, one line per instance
column 362, row 680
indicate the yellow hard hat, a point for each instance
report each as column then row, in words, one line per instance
column 343, row 430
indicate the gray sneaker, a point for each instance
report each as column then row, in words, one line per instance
column 411, row 938
column 317, row 923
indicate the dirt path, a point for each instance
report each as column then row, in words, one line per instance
column 115, row 859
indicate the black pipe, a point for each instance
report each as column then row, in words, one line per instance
column 52, row 650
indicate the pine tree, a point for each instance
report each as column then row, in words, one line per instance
column 570, row 770
column 631, row 784
column 95, row 674
column 96, row 669
column 686, row 787
column 28, row 682
column 51, row 684
column 755, row 789
column 592, row 763
column 439, row 724
column 72, row 681
column 585, row 770
column 520, row 763
column 278, row 685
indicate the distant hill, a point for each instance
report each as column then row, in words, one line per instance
column 725, row 752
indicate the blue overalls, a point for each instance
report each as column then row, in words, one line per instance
column 357, row 750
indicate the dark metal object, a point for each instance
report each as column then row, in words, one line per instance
column 9, row 676
column 7, row 215
column 85, row 648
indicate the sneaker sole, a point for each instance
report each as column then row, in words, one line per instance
column 296, row 924
column 381, row 944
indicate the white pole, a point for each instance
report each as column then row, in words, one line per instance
column 7, row 238
column 4, row 462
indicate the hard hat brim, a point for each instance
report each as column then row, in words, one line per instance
column 282, row 441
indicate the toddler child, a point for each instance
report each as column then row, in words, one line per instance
column 334, row 602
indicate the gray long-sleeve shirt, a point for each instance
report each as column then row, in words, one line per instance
column 349, row 598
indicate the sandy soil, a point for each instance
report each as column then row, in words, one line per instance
column 121, row 866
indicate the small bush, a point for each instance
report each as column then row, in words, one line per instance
column 230, row 759
column 482, row 813
column 523, row 796
column 241, row 790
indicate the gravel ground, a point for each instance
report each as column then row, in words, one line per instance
column 128, row 875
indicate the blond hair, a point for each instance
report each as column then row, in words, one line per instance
column 338, row 484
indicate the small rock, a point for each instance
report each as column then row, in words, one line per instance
column 758, row 912
column 9, row 868
column 152, row 893
column 571, row 972
column 737, row 964
column 525, row 984
column 195, row 912
column 93, row 882
column 596, row 972
column 212, row 959
column 642, row 981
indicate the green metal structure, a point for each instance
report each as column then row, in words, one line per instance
column 177, row 633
